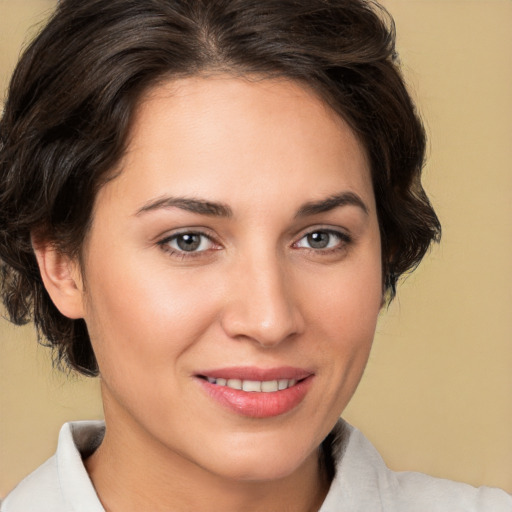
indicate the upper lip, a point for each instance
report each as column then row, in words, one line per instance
column 254, row 373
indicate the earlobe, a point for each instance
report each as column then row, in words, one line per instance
column 62, row 279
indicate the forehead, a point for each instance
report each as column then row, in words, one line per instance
column 220, row 136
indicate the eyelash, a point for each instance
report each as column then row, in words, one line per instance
column 344, row 240
column 182, row 254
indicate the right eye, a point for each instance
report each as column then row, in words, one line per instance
column 187, row 242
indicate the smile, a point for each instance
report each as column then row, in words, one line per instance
column 257, row 393
column 254, row 386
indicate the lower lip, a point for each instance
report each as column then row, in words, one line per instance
column 257, row 404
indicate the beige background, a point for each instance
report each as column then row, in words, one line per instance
column 437, row 394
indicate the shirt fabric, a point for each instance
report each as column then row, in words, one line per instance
column 362, row 482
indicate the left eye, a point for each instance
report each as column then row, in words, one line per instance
column 189, row 242
column 321, row 239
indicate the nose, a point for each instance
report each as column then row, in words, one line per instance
column 261, row 304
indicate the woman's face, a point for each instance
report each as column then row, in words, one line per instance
column 239, row 246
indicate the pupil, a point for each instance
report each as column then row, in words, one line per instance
column 318, row 240
column 188, row 242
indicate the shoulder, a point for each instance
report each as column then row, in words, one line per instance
column 40, row 489
column 363, row 483
column 439, row 495
column 61, row 484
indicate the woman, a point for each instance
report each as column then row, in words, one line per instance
column 207, row 204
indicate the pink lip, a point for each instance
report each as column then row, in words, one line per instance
column 258, row 405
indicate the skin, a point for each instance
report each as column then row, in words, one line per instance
column 255, row 293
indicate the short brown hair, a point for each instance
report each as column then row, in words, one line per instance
column 74, row 91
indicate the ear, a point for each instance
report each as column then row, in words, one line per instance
column 62, row 279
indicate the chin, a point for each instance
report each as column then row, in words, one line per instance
column 264, row 471
column 260, row 460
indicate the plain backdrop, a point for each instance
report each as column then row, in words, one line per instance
column 437, row 393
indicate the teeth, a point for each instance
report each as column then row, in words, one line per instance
column 234, row 384
column 269, row 386
column 282, row 384
column 254, row 386
column 251, row 385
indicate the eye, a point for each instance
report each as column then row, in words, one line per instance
column 189, row 242
column 322, row 239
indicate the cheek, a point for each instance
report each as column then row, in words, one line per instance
column 351, row 298
column 346, row 318
column 141, row 316
column 349, row 323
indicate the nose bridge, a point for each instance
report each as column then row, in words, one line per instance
column 261, row 303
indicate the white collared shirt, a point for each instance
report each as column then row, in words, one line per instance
column 362, row 483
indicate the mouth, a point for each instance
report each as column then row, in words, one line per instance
column 253, row 386
column 257, row 393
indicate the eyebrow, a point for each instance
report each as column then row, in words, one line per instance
column 330, row 203
column 215, row 209
column 199, row 206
